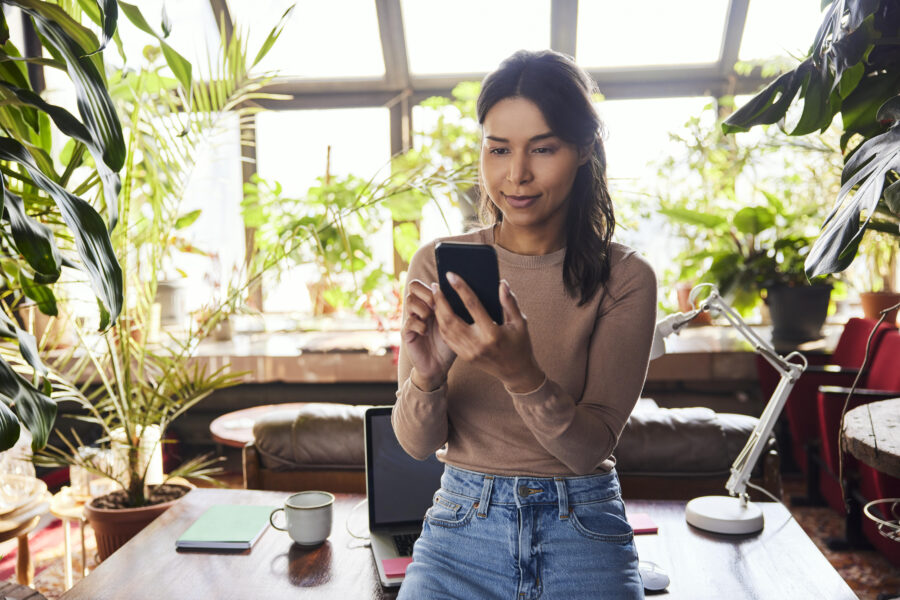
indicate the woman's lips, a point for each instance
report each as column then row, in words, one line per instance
column 521, row 201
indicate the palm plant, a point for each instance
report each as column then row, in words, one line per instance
column 126, row 382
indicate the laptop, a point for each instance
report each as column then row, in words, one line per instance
column 400, row 489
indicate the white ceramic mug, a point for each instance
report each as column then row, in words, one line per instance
column 307, row 516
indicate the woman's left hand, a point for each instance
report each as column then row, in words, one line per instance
column 503, row 351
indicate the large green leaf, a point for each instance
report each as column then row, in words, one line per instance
column 71, row 126
column 73, row 42
column 769, row 105
column 836, row 245
column 9, row 428
column 754, row 219
column 273, row 36
column 180, row 66
column 694, row 217
column 91, row 237
column 33, row 408
column 33, row 240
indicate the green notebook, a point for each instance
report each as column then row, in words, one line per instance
column 226, row 527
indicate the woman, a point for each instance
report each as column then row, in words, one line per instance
column 526, row 414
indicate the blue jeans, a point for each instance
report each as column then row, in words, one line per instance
column 519, row 538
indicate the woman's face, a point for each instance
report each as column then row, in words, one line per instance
column 527, row 171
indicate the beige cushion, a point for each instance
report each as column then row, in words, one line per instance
column 317, row 435
column 656, row 441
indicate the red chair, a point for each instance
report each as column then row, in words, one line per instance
column 840, row 368
column 881, row 382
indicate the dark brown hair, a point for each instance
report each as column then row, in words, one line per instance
column 562, row 91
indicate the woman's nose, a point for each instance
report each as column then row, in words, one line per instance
column 519, row 171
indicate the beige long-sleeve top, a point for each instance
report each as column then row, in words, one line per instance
column 595, row 357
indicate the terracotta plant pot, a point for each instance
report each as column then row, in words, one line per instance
column 875, row 302
column 113, row 527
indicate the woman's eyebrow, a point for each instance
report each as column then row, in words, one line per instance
column 540, row 136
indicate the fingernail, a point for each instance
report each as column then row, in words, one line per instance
column 452, row 277
column 506, row 285
column 434, row 287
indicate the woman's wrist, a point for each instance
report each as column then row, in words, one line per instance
column 526, row 382
column 426, row 384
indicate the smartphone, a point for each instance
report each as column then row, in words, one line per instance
column 477, row 265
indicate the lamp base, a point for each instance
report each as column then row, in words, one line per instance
column 724, row 514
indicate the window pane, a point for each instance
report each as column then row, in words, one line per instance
column 292, row 148
column 337, row 38
column 649, row 32
column 778, row 28
column 472, row 36
column 635, row 144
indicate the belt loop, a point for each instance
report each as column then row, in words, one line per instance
column 485, row 499
column 563, row 497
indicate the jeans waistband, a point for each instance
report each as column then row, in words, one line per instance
column 525, row 489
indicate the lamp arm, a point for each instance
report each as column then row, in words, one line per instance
column 790, row 372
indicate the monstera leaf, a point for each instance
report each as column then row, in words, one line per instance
column 852, row 69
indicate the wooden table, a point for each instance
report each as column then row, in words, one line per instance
column 15, row 591
column 781, row 562
column 872, row 434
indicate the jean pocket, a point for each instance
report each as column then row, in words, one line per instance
column 450, row 512
column 603, row 521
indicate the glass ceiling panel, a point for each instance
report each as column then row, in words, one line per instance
column 471, row 36
column 779, row 28
column 613, row 33
column 322, row 40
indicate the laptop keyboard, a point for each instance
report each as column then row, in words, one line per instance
column 404, row 543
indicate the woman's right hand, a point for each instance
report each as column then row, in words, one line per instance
column 430, row 356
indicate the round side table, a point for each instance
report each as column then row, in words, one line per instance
column 18, row 523
column 235, row 429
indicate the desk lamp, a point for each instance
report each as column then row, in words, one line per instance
column 734, row 514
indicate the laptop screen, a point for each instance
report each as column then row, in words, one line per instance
column 400, row 488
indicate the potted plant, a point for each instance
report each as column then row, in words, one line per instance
column 743, row 210
column 332, row 225
column 127, row 387
column 879, row 275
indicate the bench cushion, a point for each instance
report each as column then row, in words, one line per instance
column 315, row 436
column 656, row 441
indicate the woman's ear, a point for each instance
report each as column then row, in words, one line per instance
column 584, row 155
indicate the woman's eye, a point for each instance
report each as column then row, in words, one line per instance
column 497, row 151
column 544, row 150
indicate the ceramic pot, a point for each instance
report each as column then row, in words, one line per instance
column 115, row 526
column 798, row 312
column 875, row 302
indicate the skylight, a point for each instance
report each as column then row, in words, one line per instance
column 470, row 36
column 651, row 32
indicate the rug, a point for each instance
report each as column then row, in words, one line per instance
column 47, row 548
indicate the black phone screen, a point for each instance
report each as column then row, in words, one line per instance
column 477, row 265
